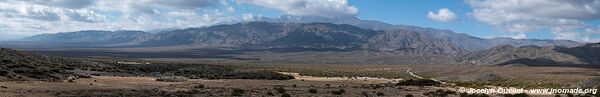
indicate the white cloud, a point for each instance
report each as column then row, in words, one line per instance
column 443, row 15
column 562, row 17
column 30, row 17
column 47, row 13
column 20, row 18
column 73, row 4
column 326, row 8
column 248, row 17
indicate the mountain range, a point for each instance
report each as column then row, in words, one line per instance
column 341, row 33
column 587, row 55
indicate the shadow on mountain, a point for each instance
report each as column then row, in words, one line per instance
column 542, row 62
column 192, row 53
column 590, row 53
column 297, row 49
column 195, row 53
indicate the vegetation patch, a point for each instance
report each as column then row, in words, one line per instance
column 172, row 79
column 418, row 82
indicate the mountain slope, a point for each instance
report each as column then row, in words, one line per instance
column 17, row 65
column 459, row 39
column 23, row 66
column 89, row 36
column 581, row 56
column 265, row 35
column 192, row 35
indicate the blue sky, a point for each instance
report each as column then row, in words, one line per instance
column 577, row 20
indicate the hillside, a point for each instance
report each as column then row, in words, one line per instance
column 22, row 66
column 580, row 56
column 461, row 40
column 89, row 36
column 264, row 35
column 17, row 65
column 250, row 34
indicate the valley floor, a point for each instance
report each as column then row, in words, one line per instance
column 147, row 86
column 306, row 78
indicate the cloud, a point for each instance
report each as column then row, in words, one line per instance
column 152, row 7
column 47, row 13
column 443, row 15
column 71, row 4
column 562, row 17
column 181, row 4
column 326, row 8
column 30, row 17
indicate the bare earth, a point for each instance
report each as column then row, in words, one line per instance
column 106, row 85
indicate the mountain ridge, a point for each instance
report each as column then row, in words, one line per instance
column 581, row 56
column 336, row 34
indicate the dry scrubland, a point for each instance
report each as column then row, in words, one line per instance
column 326, row 79
column 222, row 77
column 147, row 86
column 463, row 75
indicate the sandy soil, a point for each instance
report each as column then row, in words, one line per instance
column 363, row 80
column 122, row 85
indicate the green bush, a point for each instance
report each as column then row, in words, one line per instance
column 280, row 89
column 570, row 95
column 409, row 95
column 238, row 92
column 172, row 79
column 473, row 95
column 3, row 73
column 312, row 90
column 338, row 92
column 418, row 82
column 286, row 95
column 380, row 94
column 439, row 93
column 516, row 95
column 199, row 86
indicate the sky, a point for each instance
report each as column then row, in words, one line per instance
column 577, row 20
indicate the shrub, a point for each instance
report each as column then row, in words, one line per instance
column 598, row 94
column 3, row 73
column 366, row 94
column 570, row 95
column 473, row 95
column 380, row 94
column 409, row 95
column 172, row 79
column 439, row 93
column 338, row 92
column 199, row 86
column 238, row 92
column 84, row 76
column 419, row 82
column 286, row 95
column 516, row 95
column 312, row 90
column 280, row 89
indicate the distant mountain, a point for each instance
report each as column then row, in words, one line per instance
column 164, row 37
column 461, row 40
column 90, row 36
column 581, row 56
column 286, row 35
column 300, row 32
column 265, row 35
